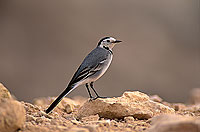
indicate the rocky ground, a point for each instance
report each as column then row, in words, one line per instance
column 132, row 112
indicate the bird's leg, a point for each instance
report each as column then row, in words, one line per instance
column 92, row 86
column 97, row 96
column 87, row 86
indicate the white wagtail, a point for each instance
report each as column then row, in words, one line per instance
column 92, row 68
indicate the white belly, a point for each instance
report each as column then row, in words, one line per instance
column 105, row 68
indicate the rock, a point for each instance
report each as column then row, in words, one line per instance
column 12, row 115
column 156, row 98
column 134, row 104
column 4, row 93
column 68, row 105
column 174, row 123
column 194, row 97
column 178, row 106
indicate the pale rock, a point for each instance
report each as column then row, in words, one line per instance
column 134, row 104
column 174, row 123
column 69, row 108
column 156, row 98
column 12, row 115
column 4, row 93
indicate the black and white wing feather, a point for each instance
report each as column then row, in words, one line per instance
column 93, row 63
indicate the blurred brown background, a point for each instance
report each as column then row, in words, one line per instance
column 42, row 43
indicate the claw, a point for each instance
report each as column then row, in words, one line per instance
column 91, row 99
column 101, row 97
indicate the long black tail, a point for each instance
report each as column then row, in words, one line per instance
column 59, row 98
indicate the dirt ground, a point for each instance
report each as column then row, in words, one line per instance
column 131, row 112
column 59, row 120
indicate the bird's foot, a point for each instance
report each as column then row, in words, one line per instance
column 94, row 98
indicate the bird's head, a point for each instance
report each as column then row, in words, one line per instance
column 108, row 42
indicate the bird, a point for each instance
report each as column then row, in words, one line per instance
column 91, row 69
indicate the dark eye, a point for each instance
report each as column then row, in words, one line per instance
column 108, row 41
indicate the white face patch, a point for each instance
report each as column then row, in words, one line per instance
column 108, row 42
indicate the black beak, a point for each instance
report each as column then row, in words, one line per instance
column 117, row 41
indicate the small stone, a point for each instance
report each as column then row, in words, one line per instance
column 129, row 119
column 12, row 115
column 4, row 93
column 156, row 98
column 104, row 123
column 69, row 108
column 178, row 106
column 75, row 122
column 134, row 104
